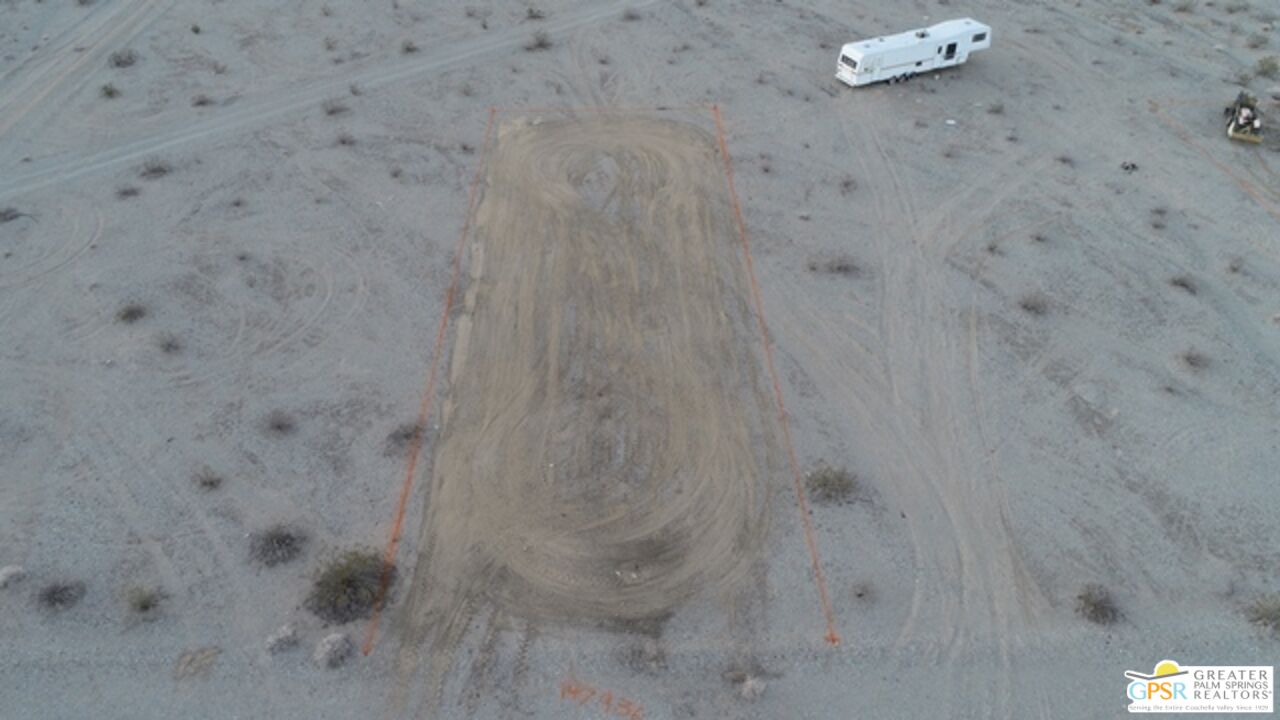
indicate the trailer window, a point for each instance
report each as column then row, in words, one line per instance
column 979, row 37
column 853, row 64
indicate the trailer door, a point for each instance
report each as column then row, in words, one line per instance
column 951, row 52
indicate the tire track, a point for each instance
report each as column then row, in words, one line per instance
column 187, row 128
column 606, row 436
column 66, row 63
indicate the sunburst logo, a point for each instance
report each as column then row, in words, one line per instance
column 1174, row 688
column 1160, row 684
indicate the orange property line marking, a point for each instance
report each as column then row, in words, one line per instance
column 610, row 704
column 832, row 636
column 424, row 410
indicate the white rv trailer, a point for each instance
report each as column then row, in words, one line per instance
column 898, row 57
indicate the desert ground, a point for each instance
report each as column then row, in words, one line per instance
column 612, row 359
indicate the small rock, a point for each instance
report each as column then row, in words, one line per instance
column 286, row 638
column 951, row 122
column 333, row 650
column 11, row 575
column 752, row 688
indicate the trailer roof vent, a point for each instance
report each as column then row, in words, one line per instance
column 922, row 33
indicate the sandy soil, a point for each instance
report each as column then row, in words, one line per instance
column 603, row 449
column 1043, row 369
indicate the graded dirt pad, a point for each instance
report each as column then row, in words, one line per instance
column 606, row 439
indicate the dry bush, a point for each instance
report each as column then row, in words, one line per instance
column 402, row 438
column 277, row 545
column 1185, row 6
column 1034, row 304
column 208, row 480
column 838, row 265
column 169, row 344
column 201, row 101
column 131, row 313
column 408, row 47
column 1185, row 283
column 831, row 486
column 281, row 423
column 1265, row 612
column 1268, row 67
column 128, row 191
column 334, row 107
column 1095, row 604
column 539, row 41
column 61, row 595
column 10, row 214
column 154, row 169
column 145, row 602
column 123, row 58
column 348, row 586
column 534, row 13
column 631, row 15
column 1195, row 360
column 109, row 91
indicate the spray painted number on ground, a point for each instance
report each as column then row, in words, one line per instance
column 611, row 704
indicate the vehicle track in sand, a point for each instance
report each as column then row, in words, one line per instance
column 184, row 126
column 60, row 69
column 606, row 438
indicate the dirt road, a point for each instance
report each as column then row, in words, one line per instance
column 606, row 436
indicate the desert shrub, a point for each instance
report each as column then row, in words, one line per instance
column 403, row 437
column 1236, row 6
column 346, row 139
column 128, row 191
column 539, row 41
column 334, row 107
column 201, row 101
column 996, row 108
column 169, row 344
column 131, row 313
column 277, row 545
column 206, row 479
column 1095, row 604
column 1268, row 67
column 534, row 13
column 831, row 486
column 123, row 58
column 145, row 601
column 109, row 91
column 1195, row 360
column 1185, row 6
column 838, row 265
column 349, row 586
column 9, row 214
column 631, row 15
column 281, row 423
column 1257, row 40
column 61, row 595
column 154, row 169
column 1034, row 304
column 1265, row 612
column 408, row 47
column 1185, row 283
